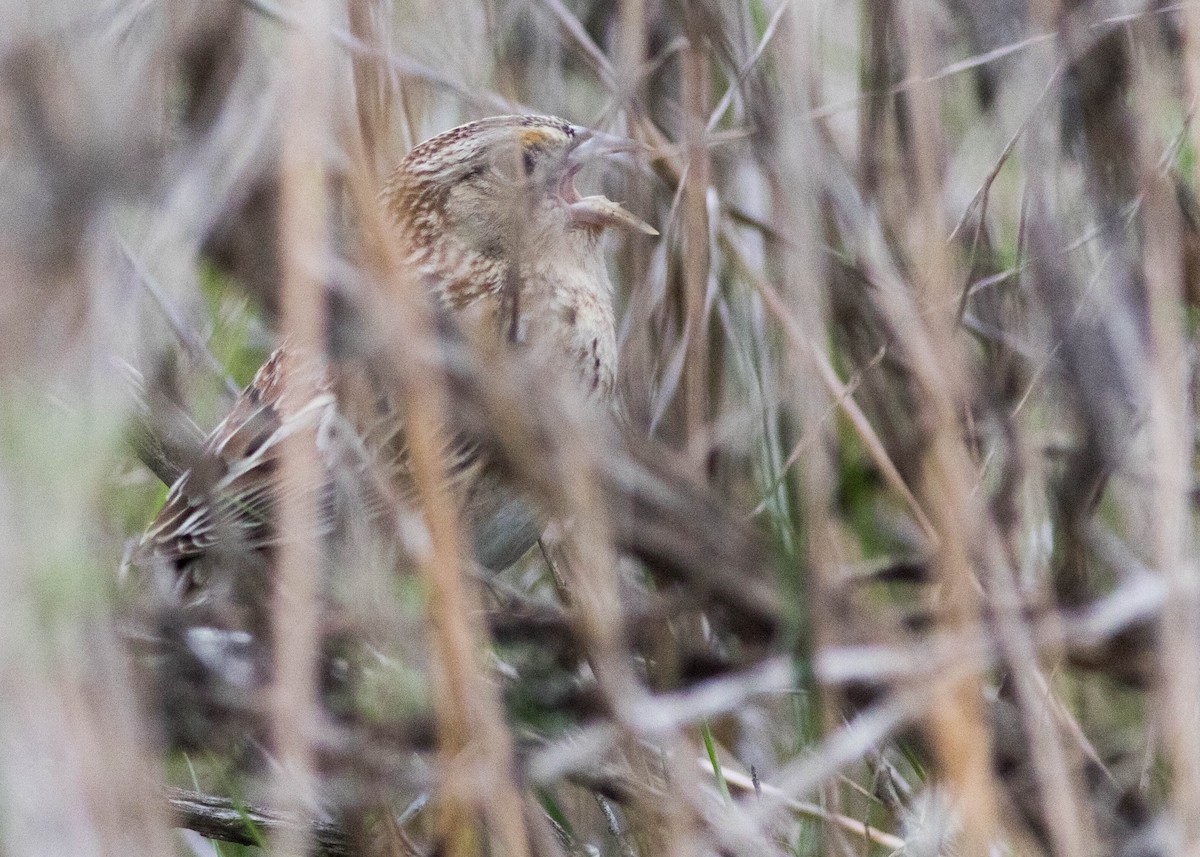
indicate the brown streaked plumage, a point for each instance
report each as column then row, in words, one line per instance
column 488, row 216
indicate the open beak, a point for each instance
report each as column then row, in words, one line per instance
column 599, row 211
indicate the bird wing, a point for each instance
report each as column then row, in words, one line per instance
column 227, row 494
column 227, row 498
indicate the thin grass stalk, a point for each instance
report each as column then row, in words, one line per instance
column 804, row 268
column 303, row 240
column 635, row 331
column 1172, row 547
column 374, row 94
column 694, row 73
column 631, row 50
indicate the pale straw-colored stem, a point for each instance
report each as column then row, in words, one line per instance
column 303, row 211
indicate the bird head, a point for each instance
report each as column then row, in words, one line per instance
column 524, row 163
column 488, row 191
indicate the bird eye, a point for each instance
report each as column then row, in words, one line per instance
column 527, row 162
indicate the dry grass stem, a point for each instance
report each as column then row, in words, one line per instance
column 304, row 211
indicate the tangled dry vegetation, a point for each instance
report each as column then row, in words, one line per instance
column 891, row 551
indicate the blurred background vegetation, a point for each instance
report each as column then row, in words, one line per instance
column 912, row 365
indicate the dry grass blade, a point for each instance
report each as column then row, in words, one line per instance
column 1171, row 424
column 303, row 222
column 697, row 245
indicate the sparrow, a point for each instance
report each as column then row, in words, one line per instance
column 487, row 216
